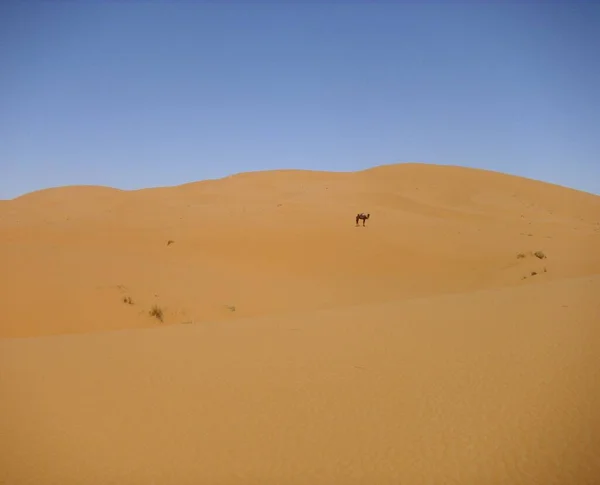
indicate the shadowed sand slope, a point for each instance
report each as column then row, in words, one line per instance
column 82, row 259
column 489, row 387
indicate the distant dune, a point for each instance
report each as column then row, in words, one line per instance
column 244, row 330
column 281, row 242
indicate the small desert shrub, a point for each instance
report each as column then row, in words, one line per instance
column 539, row 254
column 169, row 242
column 128, row 300
column 157, row 313
column 533, row 273
column 520, row 255
column 231, row 308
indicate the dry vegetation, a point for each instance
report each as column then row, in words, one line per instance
column 157, row 313
column 537, row 254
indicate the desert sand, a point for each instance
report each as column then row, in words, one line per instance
column 453, row 340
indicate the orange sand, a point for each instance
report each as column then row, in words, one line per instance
column 296, row 347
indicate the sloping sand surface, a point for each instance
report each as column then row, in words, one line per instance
column 280, row 242
column 493, row 387
column 453, row 340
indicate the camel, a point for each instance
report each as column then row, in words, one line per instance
column 362, row 217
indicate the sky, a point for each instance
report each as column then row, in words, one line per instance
column 148, row 93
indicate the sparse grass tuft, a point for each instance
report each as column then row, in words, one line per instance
column 128, row 300
column 231, row 308
column 156, row 312
column 537, row 254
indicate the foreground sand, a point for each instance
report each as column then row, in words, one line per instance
column 431, row 346
column 494, row 387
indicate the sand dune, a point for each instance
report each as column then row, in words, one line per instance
column 432, row 346
column 280, row 242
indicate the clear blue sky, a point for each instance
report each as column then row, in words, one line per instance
column 139, row 94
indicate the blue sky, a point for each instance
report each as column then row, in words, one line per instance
column 140, row 94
